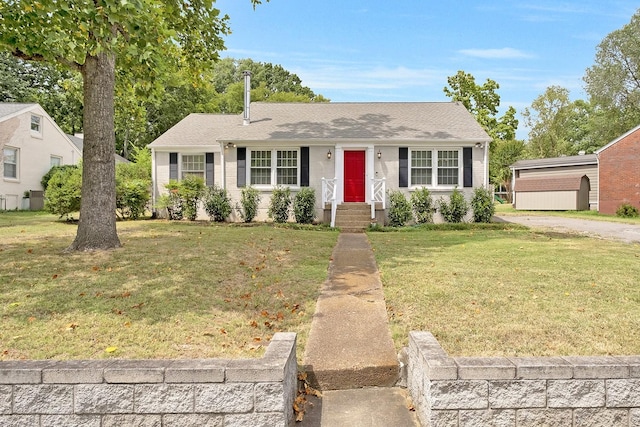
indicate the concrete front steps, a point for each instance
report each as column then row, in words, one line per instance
column 353, row 217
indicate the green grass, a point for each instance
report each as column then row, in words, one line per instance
column 174, row 290
column 488, row 291
column 507, row 209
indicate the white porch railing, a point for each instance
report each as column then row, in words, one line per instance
column 329, row 195
column 378, row 192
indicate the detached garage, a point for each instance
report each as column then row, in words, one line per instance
column 560, row 193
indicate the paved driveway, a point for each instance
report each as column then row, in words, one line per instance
column 629, row 233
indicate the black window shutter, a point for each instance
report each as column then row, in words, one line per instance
column 467, row 163
column 208, row 172
column 304, row 166
column 403, row 154
column 173, row 166
column 242, row 166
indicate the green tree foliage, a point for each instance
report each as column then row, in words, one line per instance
column 455, row 209
column 422, row 205
column 504, row 154
column 399, row 209
column 62, row 196
column 558, row 126
column 483, row 101
column 482, row 205
column 304, row 205
column 147, row 38
column 248, row 206
column 613, row 82
column 280, row 205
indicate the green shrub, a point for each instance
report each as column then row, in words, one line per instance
column 399, row 209
column 133, row 189
column 304, row 206
column 47, row 176
column 132, row 196
column 190, row 190
column 249, row 202
column 627, row 210
column 217, row 203
column 422, row 205
column 63, row 191
column 280, row 205
column 455, row 209
column 171, row 201
column 482, row 205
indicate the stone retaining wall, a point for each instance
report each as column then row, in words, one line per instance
column 167, row 393
column 528, row 391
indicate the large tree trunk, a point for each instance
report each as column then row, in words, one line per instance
column 97, row 227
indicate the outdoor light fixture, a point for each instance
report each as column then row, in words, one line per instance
column 230, row 145
column 329, row 154
column 479, row 145
column 379, row 154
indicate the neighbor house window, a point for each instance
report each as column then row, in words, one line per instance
column 10, row 162
column 274, row 167
column 56, row 161
column 192, row 165
column 435, row 168
column 36, row 124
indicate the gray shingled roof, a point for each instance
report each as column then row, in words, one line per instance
column 399, row 121
column 8, row 108
column 587, row 159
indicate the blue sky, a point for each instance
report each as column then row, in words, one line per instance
column 404, row 50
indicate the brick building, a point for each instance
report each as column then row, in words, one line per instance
column 619, row 172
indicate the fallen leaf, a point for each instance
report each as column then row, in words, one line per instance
column 72, row 326
column 254, row 324
column 112, row 349
column 127, row 324
column 29, row 251
column 55, row 276
column 15, row 304
column 223, row 331
column 95, row 268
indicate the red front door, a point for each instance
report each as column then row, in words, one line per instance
column 354, row 176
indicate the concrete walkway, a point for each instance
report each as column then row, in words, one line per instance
column 350, row 355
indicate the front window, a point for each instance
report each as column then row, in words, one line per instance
column 448, row 167
column 10, row 162
column 435, row 168
column 421, row 168
column 36, row 126
column 274, row 167
column 193, row 165
column 287, row 169
column 261, row 167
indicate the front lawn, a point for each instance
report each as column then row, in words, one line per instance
column 174, row 290
column 512, row 292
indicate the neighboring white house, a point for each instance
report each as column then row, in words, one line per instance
column 360, row 150
column 30, row 143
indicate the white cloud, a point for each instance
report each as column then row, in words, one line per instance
column 504, row 53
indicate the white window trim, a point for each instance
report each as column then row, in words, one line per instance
column 274, row 168
column 434, row 168
column 36, row 133
column 17, row 151
column 60, row 160
column 181, row 169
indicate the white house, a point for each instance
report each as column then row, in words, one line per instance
column 30, row 143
